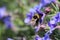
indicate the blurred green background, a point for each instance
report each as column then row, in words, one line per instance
column 18, row 10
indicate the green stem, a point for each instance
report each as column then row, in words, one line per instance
column 54, row 7
column 57, row 6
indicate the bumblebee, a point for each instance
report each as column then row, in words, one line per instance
column 36, row 18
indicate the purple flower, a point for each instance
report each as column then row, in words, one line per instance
column 33, row 10
column 2, row 11
column 45, row 2
column 37, row 37
column 36, row 29
column 28, row 18
column 58, row 16
column 7, row 22
column 53, row 22
column 46, row 37
column 55, row 19
column 38, row 7
column 6, row 19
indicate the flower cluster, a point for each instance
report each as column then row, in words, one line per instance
column 54, row 20
column 36, row 10
column 36, row 16
column 5, row 18
column 7, row 21
column 46, row 37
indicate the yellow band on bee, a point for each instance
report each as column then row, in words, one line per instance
column 37, row 15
